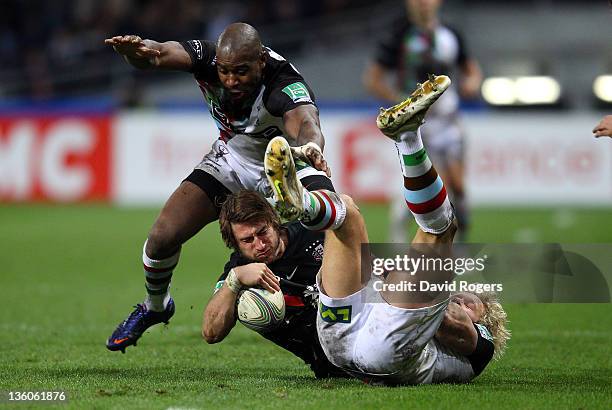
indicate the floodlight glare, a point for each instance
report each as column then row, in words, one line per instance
column 537, row 90
column 498, row 91
column 602, row 87
column 533, row 90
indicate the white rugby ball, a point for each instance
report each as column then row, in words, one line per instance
column 259, row 309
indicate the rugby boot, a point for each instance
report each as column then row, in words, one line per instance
column 408, row 115
column 130, row 330
column 287, row 190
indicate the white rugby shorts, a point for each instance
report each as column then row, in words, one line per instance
column 238, row 169
column 384, row 344
column 443, row 140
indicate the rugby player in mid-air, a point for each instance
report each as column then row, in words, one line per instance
column 253, row 94
column 386, row 337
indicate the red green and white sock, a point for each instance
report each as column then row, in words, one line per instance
column 424, row 190
column 323, row 210
column 158, row 274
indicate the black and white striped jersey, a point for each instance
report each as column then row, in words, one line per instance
column 261, row 117
column 412, row 53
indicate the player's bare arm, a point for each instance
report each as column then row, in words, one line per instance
column 146, row 54
column 457, row 330
column 302, row 125
column 471, row 79
column 220, row 313
column 604, row 128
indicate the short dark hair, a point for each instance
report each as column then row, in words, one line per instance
column 240, row 38
column 245, row 207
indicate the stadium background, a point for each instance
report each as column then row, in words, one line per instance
column 90, row 148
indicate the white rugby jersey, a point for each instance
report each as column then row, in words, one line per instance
column 248, row 128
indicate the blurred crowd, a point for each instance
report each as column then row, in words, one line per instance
column 51, row 48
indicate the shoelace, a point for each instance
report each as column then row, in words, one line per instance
column 135, row 315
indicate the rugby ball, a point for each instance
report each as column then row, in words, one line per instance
column 259, row 309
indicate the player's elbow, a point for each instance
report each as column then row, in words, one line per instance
column 452, row 324
column 215, row 327
column 210, row 336
column 458, row 334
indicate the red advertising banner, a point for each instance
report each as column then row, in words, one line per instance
column 55, row 158
column 369, row 166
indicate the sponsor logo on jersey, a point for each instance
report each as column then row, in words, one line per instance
column 318, row 253
column 292, row 273
column 196, row 45
column 316, row 250
column 339, row 314
column 484, row 332
column 218, row 115
column 297, row 92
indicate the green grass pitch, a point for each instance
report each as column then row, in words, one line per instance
column 70, row 274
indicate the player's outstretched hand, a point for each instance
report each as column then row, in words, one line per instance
column 131, row 46
column 257, row 274
column 604, row 128
column 312, row 154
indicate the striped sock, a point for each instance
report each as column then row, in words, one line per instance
column 423, row 189
column 323, row 210
column 158, row 274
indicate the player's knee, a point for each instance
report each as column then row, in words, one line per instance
column 351, row 206
column 449, row 234
column 353, row 213
column 161, row 243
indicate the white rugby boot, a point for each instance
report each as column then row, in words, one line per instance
column 408, row 115
column 288, row 192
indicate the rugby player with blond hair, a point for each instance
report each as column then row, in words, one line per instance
column 386, row 337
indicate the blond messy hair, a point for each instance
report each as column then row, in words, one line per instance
column 496, row 320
